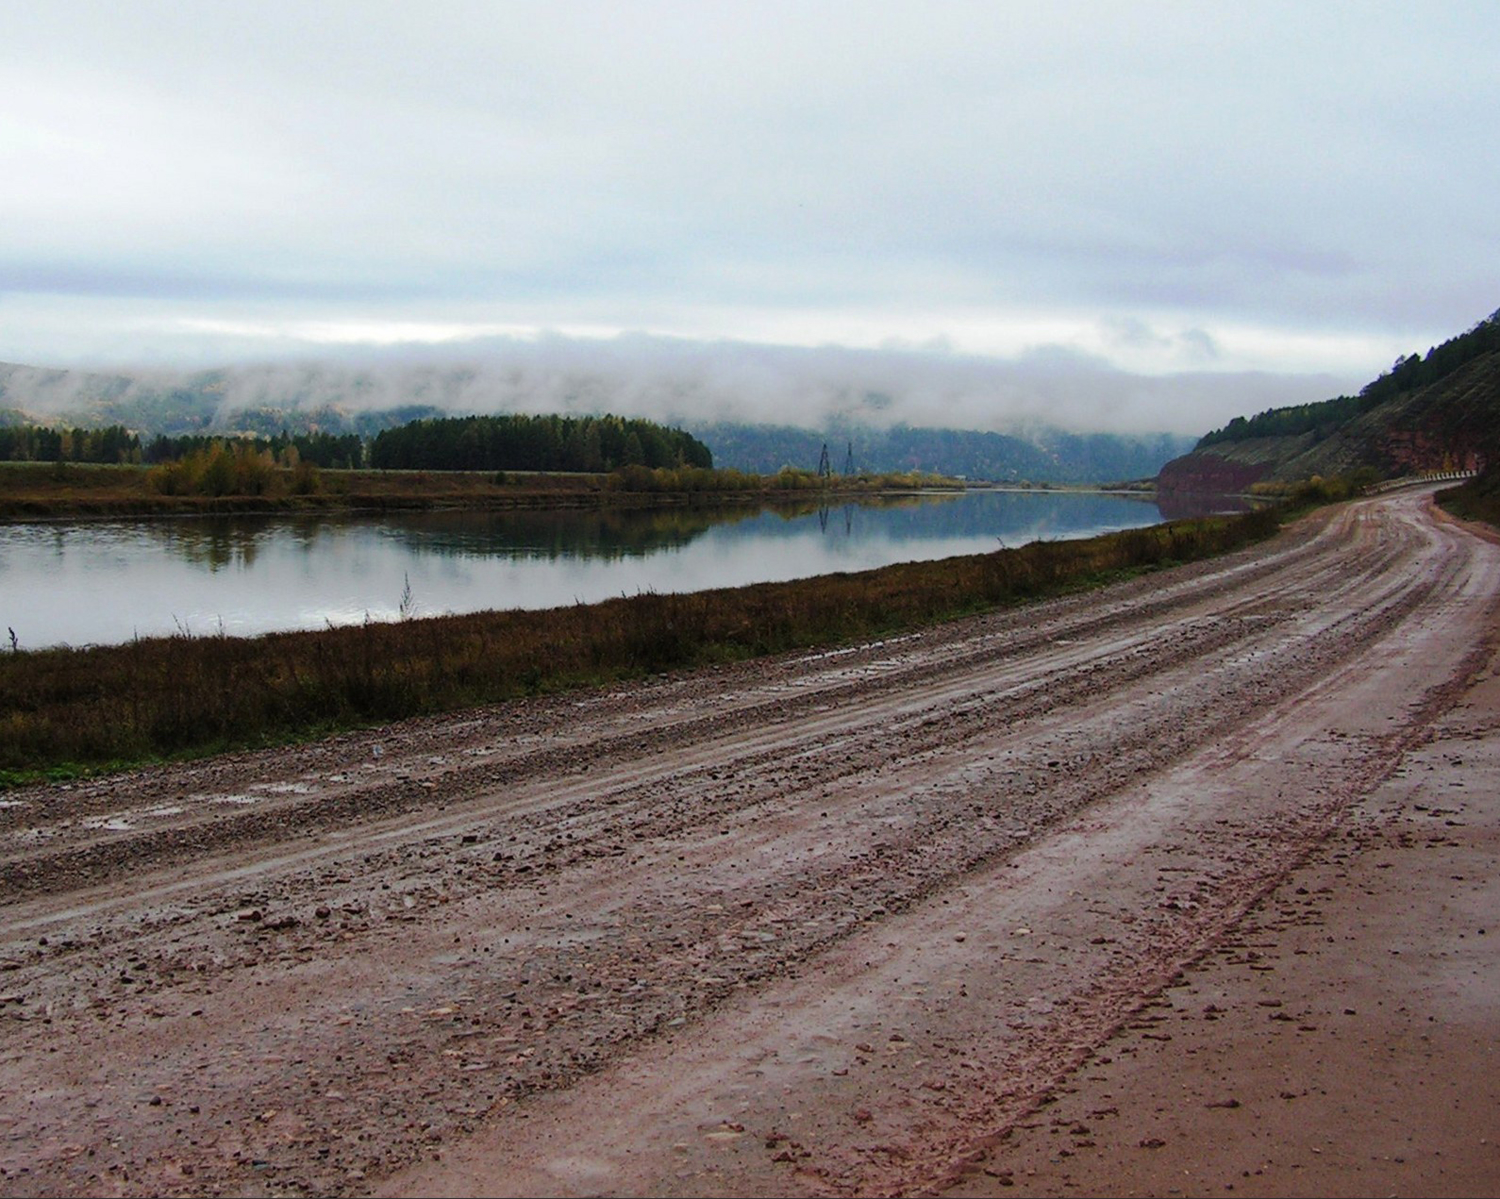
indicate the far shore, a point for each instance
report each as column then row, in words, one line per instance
column 46, row 490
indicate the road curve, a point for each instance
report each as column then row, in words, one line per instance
column 821, row 924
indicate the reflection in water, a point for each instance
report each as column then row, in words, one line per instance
column 220, row 541
column 214, row 543
column 109, row 581
column 1182, row 505
column 848, row 514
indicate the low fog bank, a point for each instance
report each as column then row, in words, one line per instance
column 685, row 383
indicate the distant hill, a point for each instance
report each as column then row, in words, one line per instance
column 306, row 400
column 1435, row 412
column 178, row 404
column 1037, row 456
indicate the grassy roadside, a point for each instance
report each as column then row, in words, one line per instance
column 76, row 711
column 1478, row 499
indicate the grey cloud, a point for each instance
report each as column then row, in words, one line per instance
column 1199, row 343
column 1133, row 331
column 692, row 168
column 1193, row 346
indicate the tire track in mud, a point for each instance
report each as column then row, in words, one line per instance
column 934, row 1123
column 1004, row 1084
column 688, row 866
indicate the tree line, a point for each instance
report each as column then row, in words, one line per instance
column 331, row 451
column 591, row 444
column 117, row 445
column 41, row 443
column 536, row 443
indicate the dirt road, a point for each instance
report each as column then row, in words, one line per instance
column 835, row 923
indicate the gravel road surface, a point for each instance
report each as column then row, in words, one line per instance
column 892, row 919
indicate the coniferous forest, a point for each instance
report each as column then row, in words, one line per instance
column 535, row 443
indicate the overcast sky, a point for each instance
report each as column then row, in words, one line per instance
column 1141, row 189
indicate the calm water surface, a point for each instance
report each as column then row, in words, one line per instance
column 101, row 582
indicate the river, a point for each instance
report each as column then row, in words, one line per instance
column 107, row 581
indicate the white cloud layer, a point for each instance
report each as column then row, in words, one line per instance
column 1164, row 189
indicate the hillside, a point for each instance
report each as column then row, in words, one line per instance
column 1438, row 412
column 1038, row 456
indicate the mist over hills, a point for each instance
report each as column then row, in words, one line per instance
column 1039, row 455
column 757, row 408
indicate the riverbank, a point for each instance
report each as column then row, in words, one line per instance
column 48, row 490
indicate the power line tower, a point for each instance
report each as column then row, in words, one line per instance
column 849, row 461
column 825, row 469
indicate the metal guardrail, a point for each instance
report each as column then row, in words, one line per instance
column 1433, row 476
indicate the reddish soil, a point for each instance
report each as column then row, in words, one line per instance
column 1185, row 886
